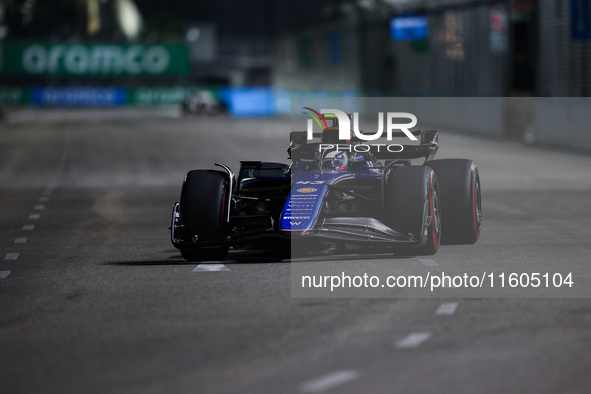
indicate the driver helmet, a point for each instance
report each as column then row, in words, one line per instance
column 336, row 161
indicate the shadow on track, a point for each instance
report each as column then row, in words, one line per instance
column 264, row 256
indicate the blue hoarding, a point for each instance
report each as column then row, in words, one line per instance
column 409, row 27
column 78, row 96
column 249, row 101
column 579, row 20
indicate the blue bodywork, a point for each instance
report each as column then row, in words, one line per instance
column 311, row 185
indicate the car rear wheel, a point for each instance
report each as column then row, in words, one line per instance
column 203, row 212
column 411, row 195
column 459, row 184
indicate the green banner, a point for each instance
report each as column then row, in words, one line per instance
column 14, row 96
column 94, row 59
column 165, row 96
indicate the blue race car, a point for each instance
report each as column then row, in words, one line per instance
column 332, row 192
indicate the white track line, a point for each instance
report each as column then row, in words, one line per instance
column 447, row 308
column 21, row 240
column 4, row 274
column 429, row 262
column 28, row 227
column 412, row 340
column 11, row 256
column 329, row 381
column 39, row 207
column 209, row 266
column 34, row 216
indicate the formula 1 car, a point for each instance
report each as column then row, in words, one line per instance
column 203, row 103
column 332, row 192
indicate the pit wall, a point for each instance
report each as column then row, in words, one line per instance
column 563, row 122
column 480, row 115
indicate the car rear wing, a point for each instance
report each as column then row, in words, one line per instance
column 428, row 144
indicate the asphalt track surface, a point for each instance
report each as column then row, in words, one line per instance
column 94, row 298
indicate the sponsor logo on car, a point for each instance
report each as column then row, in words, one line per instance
column 307, row 190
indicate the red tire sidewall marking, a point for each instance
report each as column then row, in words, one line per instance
column 474, row 216
column 224, row 205
column 433, row 232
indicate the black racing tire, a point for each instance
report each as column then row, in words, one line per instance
column 461, row 202
column 406, row 191
column 203, row 212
